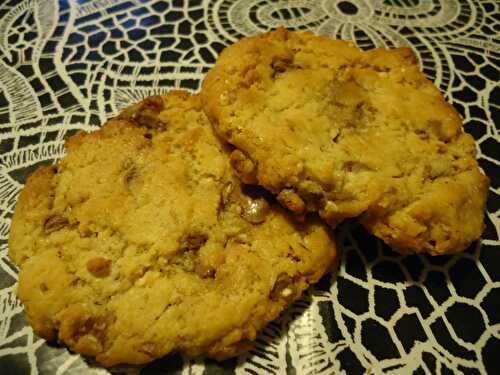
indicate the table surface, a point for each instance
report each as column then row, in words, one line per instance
column 71, row 64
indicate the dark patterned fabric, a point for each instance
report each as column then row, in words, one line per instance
column 68, row 65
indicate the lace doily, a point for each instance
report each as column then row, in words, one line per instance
column 69, row 65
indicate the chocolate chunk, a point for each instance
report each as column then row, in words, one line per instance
column 193, row 241
column 254, row 210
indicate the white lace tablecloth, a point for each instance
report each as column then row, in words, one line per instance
column 70, row 64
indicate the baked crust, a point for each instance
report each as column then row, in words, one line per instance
column 330, row 128
column 141, row 242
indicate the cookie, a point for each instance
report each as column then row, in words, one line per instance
column 349, row 133
column 141, row 241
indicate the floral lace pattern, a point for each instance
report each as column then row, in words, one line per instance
column 69, row 65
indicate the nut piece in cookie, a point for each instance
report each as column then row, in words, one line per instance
column 142, row 242
column 330, row 128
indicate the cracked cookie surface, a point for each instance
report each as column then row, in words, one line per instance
column 140, row 242
column 330, row 128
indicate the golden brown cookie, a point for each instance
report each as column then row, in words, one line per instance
column 141, row 242
column 330, row 128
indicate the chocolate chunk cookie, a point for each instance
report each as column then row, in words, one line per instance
column 330, row 128
column 140, row 242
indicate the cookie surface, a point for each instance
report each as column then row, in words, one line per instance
column 330, row 128
column 141, row 242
